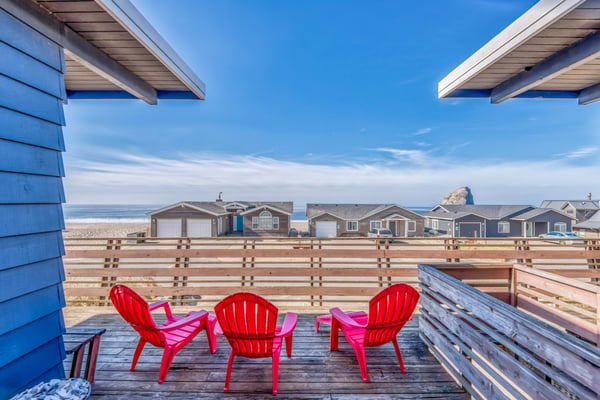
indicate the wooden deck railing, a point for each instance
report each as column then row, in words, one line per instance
column 567, row 302
column 304, row 274
column 496, row 351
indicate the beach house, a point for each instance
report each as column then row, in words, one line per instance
column 578, row 210
column 220, row 218
column 335, row 220
column 52, row 52
column 494, row 220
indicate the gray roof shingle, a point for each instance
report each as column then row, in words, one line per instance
column 487, row 211
column 347, row 211
column 592, row 223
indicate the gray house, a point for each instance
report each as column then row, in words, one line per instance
column 217, row 218
column 578, row 210
column 494, row 220
column 337, row 220
column 589, row 228
column 543, row 220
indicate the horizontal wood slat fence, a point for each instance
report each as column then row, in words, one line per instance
column 496, row 351
column 302, row 274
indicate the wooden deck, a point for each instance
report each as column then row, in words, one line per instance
column 313, row 372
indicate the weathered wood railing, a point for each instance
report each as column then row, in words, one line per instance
column 306, row 274
column 496, row 351
column 567, row 302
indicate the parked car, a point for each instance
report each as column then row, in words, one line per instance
column 380, row 233
column 562, row 237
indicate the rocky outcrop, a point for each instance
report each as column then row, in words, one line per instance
column 460, row 196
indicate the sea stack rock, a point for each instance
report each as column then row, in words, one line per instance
column 460, row 197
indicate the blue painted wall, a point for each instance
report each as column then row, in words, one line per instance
column 31, row 144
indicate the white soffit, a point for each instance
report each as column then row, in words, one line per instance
column 551, row 51
column 120, row 31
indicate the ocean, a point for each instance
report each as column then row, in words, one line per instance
column 94, row 213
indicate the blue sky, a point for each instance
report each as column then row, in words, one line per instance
column 329, row 101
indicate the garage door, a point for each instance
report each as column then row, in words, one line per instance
column 326, row 229
column 469, row 229
column 199, row 228
column 168, row 227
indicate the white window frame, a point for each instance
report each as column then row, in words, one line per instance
column 219, row 226
column 503, row 227
column 376, row 224
column 352, row 226
column 435, row 224
column 265, row 221
column 411, row 225
column 560, row 226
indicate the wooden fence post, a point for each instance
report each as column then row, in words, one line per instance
column 110, row 262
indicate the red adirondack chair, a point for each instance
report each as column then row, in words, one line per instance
column 249, row 323
column 389, row 310
column 173, row 335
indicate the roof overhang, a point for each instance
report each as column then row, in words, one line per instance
column 184, row 204
column 263, row 207
column 111, row 50
column 552, row 51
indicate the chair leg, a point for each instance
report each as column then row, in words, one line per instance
column 166, row 363
column 288, row 345
column 334, row 334
column 395, row 341
column 229, row 365
column 362, row 362
column 136, row 355
column 212, row 339
column 275, row 372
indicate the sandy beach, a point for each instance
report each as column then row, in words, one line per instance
column 121, row 229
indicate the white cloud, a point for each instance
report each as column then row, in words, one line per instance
column 411, row 156
column 422, row 131
column 579, row 153
column 148, row 179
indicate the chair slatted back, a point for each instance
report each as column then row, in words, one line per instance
column 248, row 322
column 389, row 310
column 134, row 309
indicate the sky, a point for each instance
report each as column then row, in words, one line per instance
column 329, row 101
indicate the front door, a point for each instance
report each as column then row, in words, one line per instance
column 529, row 229
column 239, row 223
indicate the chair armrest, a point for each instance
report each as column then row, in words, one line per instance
column 344, row 319
column 191, row 317
column 289, row 323
column 160, row 304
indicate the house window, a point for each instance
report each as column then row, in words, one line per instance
column 265, row 222
column 560, row 227
column 352, row 225
column 219, row 226
column 376, row 225
column 412, row 226
column 503, row 227
column 435, row 224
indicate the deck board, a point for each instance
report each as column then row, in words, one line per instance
column 313, row 372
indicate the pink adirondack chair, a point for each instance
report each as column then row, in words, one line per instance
column 173, row 335
column 389, row 310
column 249, row 323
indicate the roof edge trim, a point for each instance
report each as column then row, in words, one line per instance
column 537, row 18
column 138, row 26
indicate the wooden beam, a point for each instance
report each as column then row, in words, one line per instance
column 135, row 23
column 589, row 94
column 555, row 65
column 79, row 49
column 536, row 19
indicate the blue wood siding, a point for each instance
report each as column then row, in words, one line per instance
column 31, row 220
